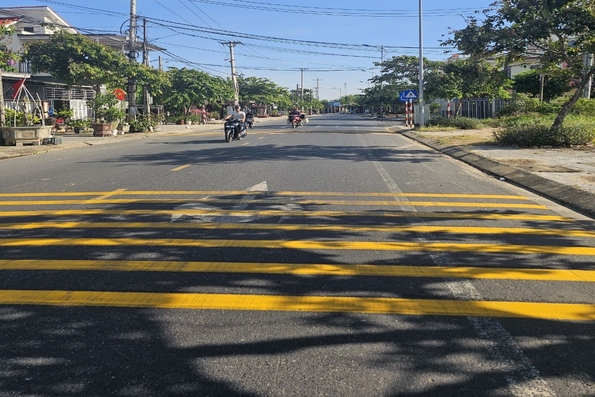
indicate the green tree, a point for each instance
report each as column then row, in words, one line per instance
column 396, row 75
column 555, row 82
column 556, row 32
column 8, row 60
column 76, row 60
column 191, row 87
column 469, row 78
column 154, row 80
column 262, row 91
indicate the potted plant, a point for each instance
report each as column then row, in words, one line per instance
column 79, row 125
column 106, row 111
column 141, row 124
column 62, row 118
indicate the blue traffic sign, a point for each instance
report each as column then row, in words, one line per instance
column 404, row 96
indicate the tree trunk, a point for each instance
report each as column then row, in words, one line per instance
column 565, row 109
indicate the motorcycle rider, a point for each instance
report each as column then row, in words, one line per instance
column 238, row 115
column 294, row 113
column 249, row 118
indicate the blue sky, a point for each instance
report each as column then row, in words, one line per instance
column 332, row 44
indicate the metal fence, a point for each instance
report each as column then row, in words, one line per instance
column 477, row 108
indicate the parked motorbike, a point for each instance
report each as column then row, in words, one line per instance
column 249, row 119
column 232, row 126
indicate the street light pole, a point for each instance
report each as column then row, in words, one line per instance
column 421, row 67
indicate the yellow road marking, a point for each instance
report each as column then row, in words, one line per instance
column 301, row 227
column 261, row 201
column 278, row 193
column 305, row 245
column 104, row 196
column 180, row 167
column 314, row 213
column 303, row 269
column 328, row 304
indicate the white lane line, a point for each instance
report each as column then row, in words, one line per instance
column 522, row 376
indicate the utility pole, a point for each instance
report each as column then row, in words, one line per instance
column 421, row 67
column 146, row 96
column 160, row 64
column 302, row 81
column 132, row 58
column 234, row 79
column 317, row 89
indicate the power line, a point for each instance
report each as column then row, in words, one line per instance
column 343, row 12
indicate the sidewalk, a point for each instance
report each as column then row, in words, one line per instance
column 566, row 176
column 72, row 140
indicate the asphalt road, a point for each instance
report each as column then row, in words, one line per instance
column 336, row 259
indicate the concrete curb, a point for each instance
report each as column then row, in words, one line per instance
column 578, row 200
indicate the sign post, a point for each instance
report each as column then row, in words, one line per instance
column 408, row 96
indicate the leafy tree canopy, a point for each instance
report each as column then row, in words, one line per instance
column 555, row 32
column 262, row 91
column 75, row 59
column 8, row 58
column 467, row 79
column 555, row 83
column 191, row 87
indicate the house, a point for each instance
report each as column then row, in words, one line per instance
column 36, row 23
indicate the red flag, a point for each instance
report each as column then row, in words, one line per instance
column 16, row 88
column 119, row 93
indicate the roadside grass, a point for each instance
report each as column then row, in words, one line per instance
column 518, row 130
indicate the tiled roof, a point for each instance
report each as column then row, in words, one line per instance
column 8, row 21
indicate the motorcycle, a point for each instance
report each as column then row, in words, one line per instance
column 249, row 119
column 295, row 120
column 231, row 130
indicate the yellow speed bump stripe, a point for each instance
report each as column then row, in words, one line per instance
column 264, row 201
column 122, row 192
column 303, row 269
column 305, row 245
column 196, row 301
column 309, row 213
column 301, row 227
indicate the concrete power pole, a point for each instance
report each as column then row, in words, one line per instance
column 302, row 84
column 234, row 79
column 318, row 89
column 421, row 67
column 132, row 58
column 146, row 96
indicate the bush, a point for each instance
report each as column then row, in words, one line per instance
column 584, row 107
column 522, row 104
column 462, row 123
column 537, row 134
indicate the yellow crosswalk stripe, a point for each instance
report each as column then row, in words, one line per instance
column 264, row 201
column 329, row 304
column 309, row 213
column 307, row 245
column 123, row 192
column 346, row 304
column 309, row 269
column 301, row 227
